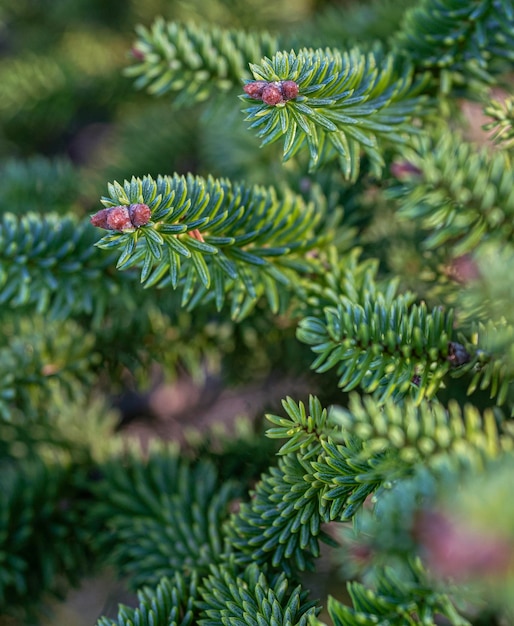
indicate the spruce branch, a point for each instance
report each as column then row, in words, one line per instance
column 194, row 62
column 171, row 603
column 341, row 476
column 347, row 103
column 444, row 527
column 211, row 237
column 28, row 81
column 281, row 525
column 394, row 348
column 253, row 598
column 39, row 359
column 425, row 432
column 303, row 428
column 486, row 319
column 161, row 516
column 352, row 279
column 65, row 434
column 396, row 602
column 461, row 195
column 340, row 25
column 461, row 37
column 492, row 364
column 42, row 91
column 502, row 122
column 489, row 293
column 48, row 263
column 44, row 542
column 346, row 479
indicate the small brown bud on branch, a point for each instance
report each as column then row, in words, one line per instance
column 121, row 218
column 272, row 93
column 289, row 89
column 255, row 89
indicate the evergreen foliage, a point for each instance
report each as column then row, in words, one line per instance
column 388, row 605
column 252, row 240
column 394, row 348
column 502, row 114
column 136, row 501
column 461, row 196
column 332, row 115
column 48, row 264
column 383, row 244
column 466, row 37
column 171, row 603
column 194, row 61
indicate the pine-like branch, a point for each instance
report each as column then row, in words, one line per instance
column 304, row 428
column 44, row 540
column 38, row 185
column 395, row 602
column 394, row 348
column 163, row 516
column 210, row 238
column 41, row 90
column 28, row 81
column 342, row 475
column 486, row 319
column 502, row 123
column 423, row 433
column 346, row 103
column 355, row 23
column 492, row 364
column 194, row 62
column 171, row 603
column 253, row 598
column 461, row 195
column 48, row 263
column 39, row 359
column 281, row 525
column 462, row 37
column 352, row 279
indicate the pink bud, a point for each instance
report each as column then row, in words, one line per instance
column 463, row 269
column 272, row 95
column 119, row 218
column 139, row 214
column 122, row 217
column 289, row 89
column 99, row 219
column 255, row 89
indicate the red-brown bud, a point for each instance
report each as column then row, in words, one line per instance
column 139, row 214
column 122, row 217
column 255, row 89
column 119, row 218
column 272, row 95
column 99, row 219
column 289, row 89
